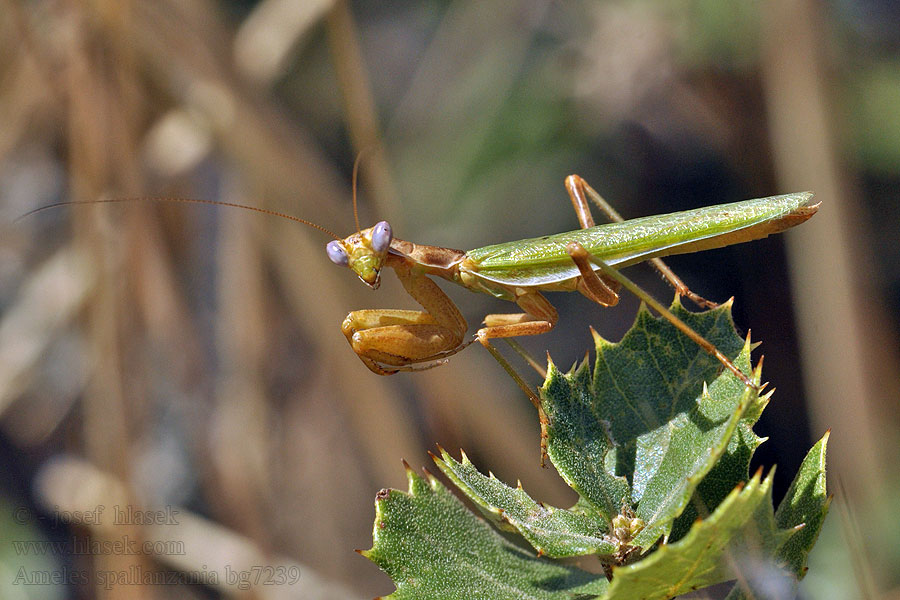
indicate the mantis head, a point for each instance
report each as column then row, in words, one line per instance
column 364, row 252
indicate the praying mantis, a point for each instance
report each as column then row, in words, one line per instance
column 586, row 260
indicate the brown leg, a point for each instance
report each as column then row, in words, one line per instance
column 579, row 191
column 583, row 259
column 539, row 317
column 596, row 287
column 399, row 338
column 529, row 391
column 388, row 341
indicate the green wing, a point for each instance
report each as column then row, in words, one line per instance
column 544, row 261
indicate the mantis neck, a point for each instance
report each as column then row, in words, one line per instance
column 433, row 260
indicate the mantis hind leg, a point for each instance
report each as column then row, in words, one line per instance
column 583, row 259
column 579, row 192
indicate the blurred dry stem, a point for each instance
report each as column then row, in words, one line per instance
column 360, row 112
column 853, row 533
column 268, row 38
column 240, row 402
column 849, row 364
column 99, row 76
column 849, row 361
column 46, row 302
column 198, row 546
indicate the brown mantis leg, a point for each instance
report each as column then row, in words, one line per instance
column 539, row 317
column 583, row 260
column 399, row 338
column 402, row 338
column 579, row 191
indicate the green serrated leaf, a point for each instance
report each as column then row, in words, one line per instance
column 705, row 556
column 732, row 469
column 579, row 441
column 753, row 555
column 683, row 469
column 806, row 503
column 646, row 416
column 761, row 536
column 554, row 532
column 433, row 547
column 776, row 544
column 641, row 447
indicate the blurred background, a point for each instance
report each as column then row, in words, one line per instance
column 190, row 357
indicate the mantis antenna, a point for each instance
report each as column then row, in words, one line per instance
column 264, row 211
column 355, row 173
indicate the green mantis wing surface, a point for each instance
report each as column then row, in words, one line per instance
column 544, row 261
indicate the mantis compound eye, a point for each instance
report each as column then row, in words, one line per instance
column 337, row 254
column 381, row 236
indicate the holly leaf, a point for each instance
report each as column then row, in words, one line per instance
column 433, row 547
column 656, row 439
column 652, row 419
column 553, row 532
column 779, row 542
column 806, row 503
column 705, row 556
column 732, row 469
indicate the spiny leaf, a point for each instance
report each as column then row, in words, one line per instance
column 806, row 503
column 652, row 419
column 433, row 547
column 776, row 562
column 554, row 532
column 704, row 557
column 656, row 430
column 579, row 442
column 732, row 469
column 682, row 470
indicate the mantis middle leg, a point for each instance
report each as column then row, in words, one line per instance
column 539, row 317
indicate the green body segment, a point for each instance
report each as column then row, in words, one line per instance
column 544, row 263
